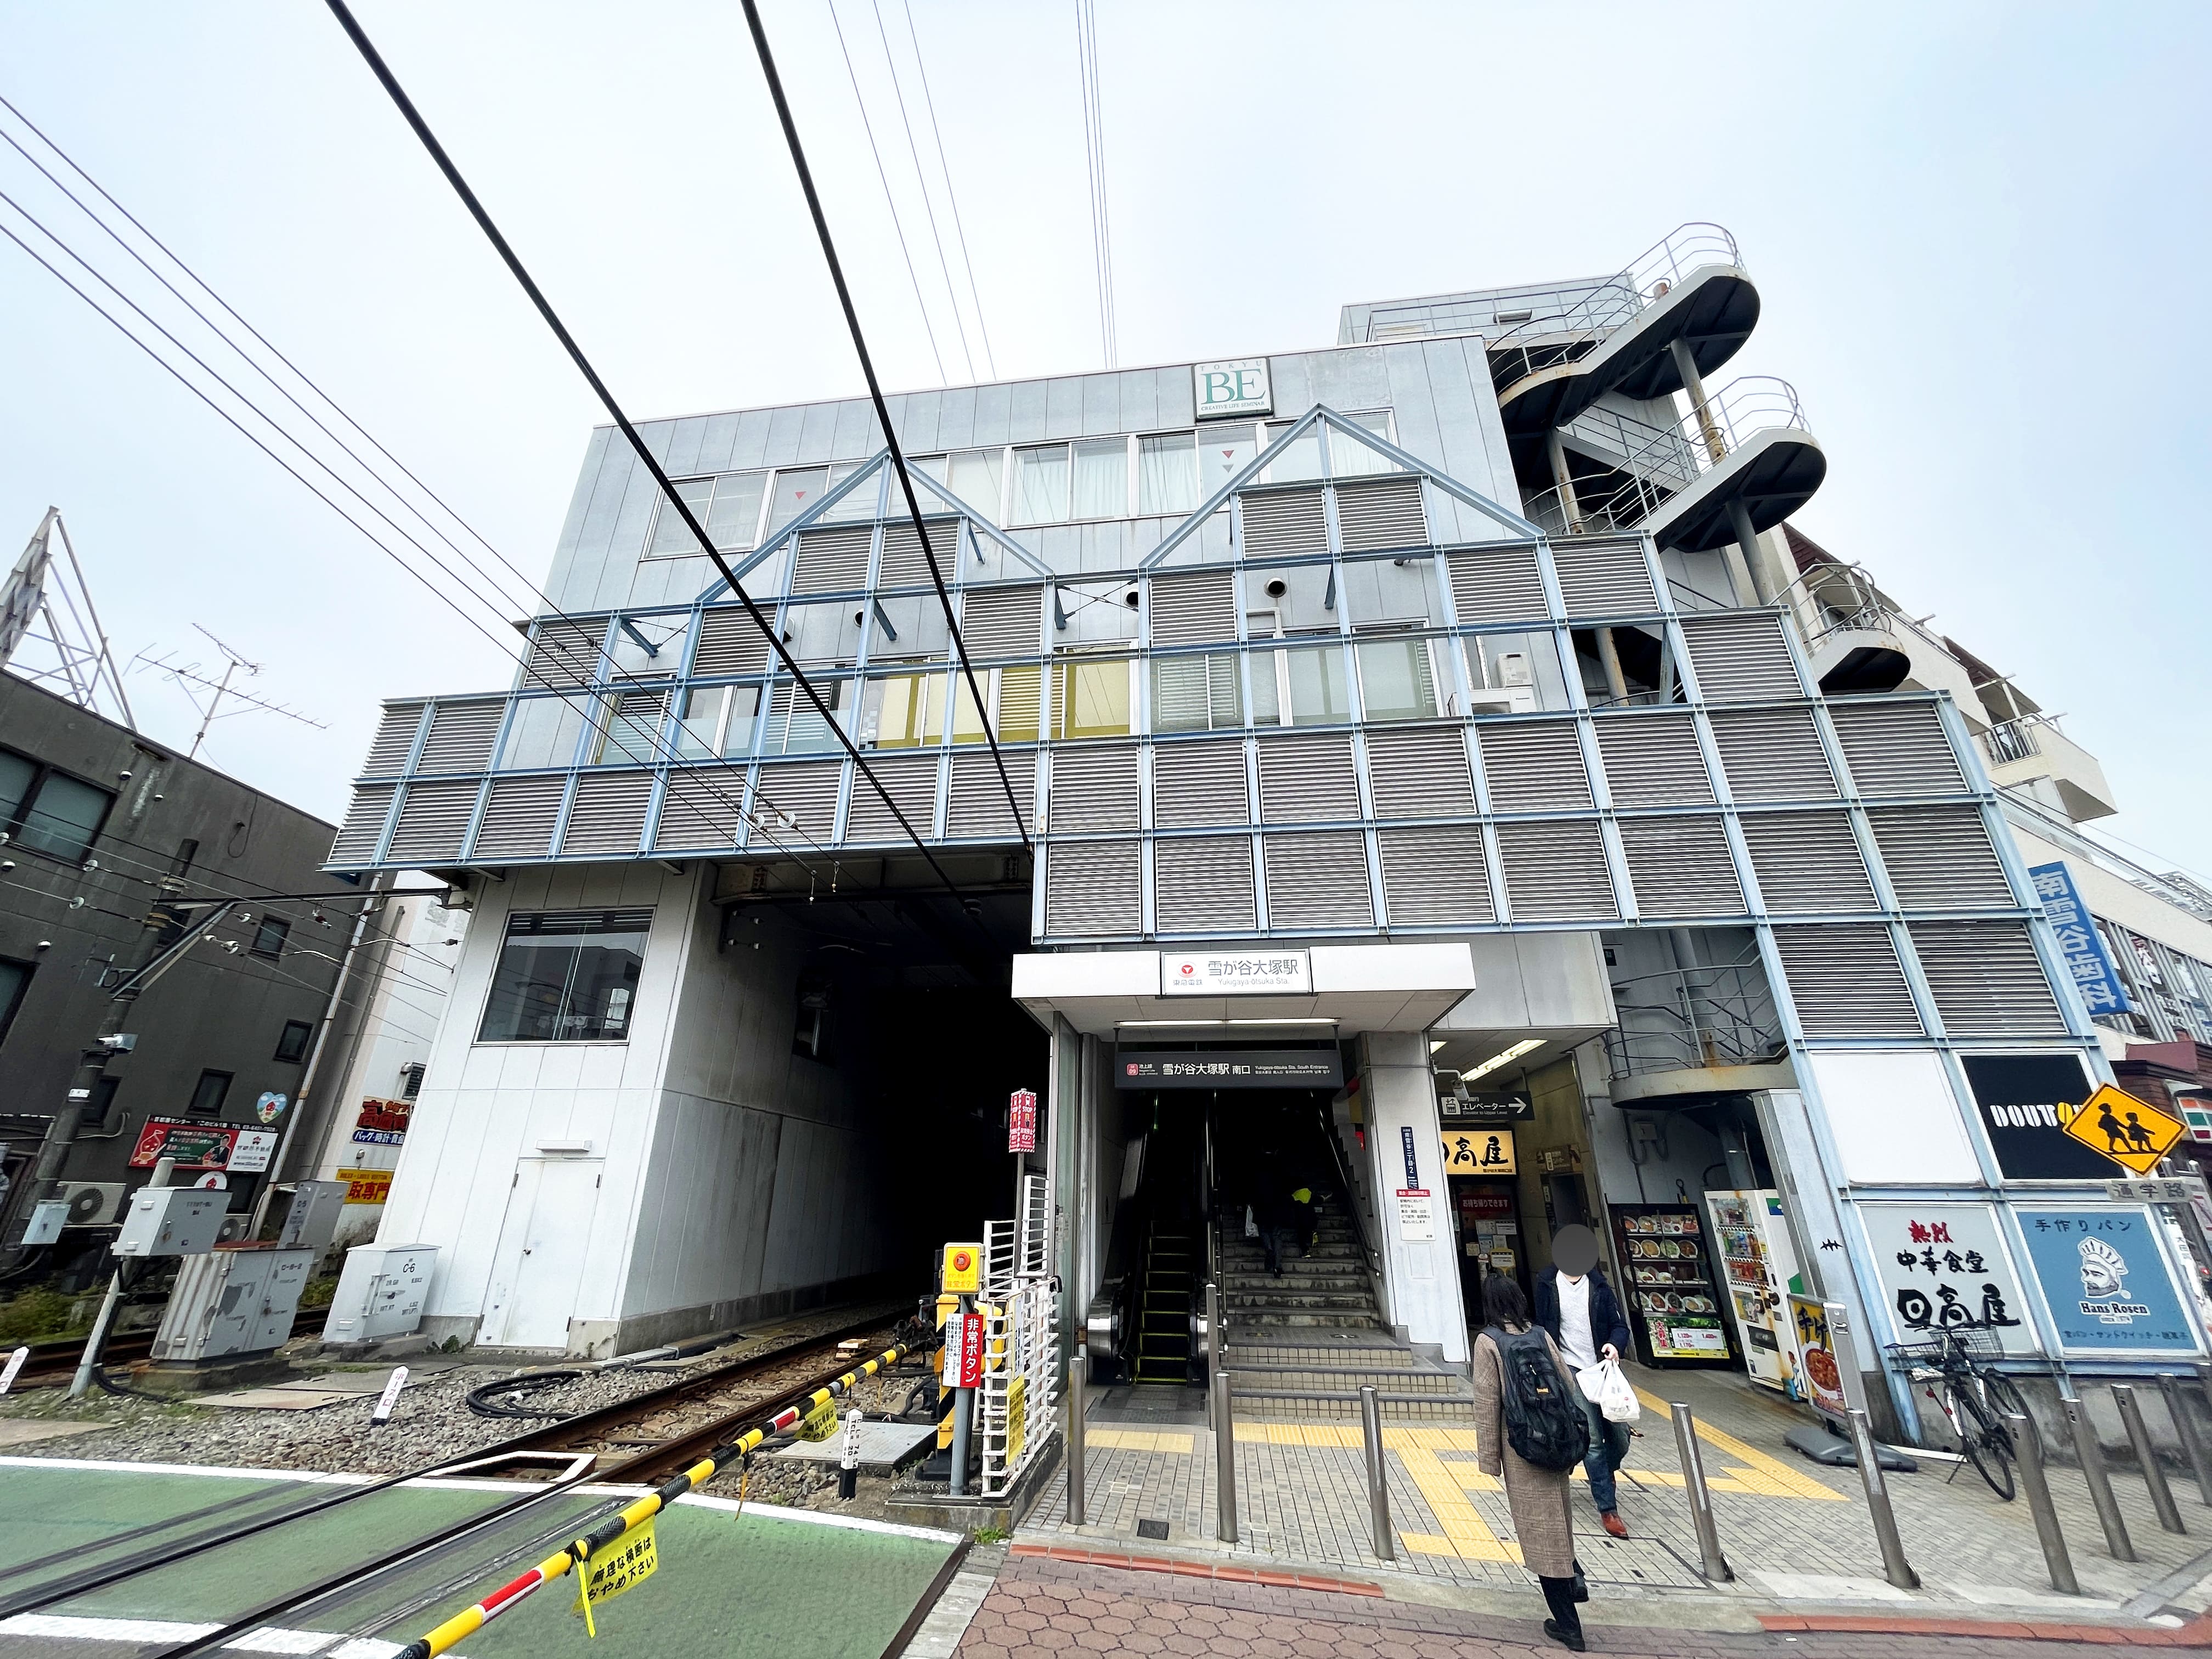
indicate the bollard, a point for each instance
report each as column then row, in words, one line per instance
column 1225, row 1459
column 2100, row 1484
column 1378, row 1476
column 1715, row 1566
column 2162, row 1495
column 1076, row 1368
column 1894, row 1567
column 2048, row 1532
column 2185, row 1430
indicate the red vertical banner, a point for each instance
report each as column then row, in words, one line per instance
column 1021, row 1121
column 971, row 1352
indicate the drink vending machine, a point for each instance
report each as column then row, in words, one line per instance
column 1758, row 1269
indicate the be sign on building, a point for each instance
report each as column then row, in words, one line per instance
column 1239, row 386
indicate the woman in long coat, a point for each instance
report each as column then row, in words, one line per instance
column 1537, row 1497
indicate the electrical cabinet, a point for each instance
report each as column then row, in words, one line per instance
column 233, row 1302
column 380, row 1292
column 172, row 1221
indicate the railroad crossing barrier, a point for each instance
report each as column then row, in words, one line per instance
column 611, row 1531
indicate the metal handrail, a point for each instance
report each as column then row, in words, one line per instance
column 1718, row 1022
column 1613, row 304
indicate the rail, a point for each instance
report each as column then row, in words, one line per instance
column 1543, row 343
column 1715, row 1016
column 1368, row 1255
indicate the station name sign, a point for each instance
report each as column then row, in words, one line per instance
column 1244, row 973
column 1229, row 1068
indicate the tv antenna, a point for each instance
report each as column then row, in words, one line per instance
column 50, row 634
column 189, row 679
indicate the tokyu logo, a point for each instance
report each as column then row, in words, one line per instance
column 1239, row 386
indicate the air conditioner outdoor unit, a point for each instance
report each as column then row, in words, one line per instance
column 92, row 1203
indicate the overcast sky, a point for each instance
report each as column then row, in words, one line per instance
column 1974, row 230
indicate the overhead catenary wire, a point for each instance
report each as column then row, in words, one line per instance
column 1094, row 148
column 644, row 452
column 952, row 196
column 921, row 181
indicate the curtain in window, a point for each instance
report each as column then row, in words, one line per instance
column 1395, row 680
column 798, row 726
column 1040, row 484
column 1167, row 473
column 902, row 711
column 1317, row 688
column 1350, row 458
column 1195, row 694
column 1300, row 460
column 1102, row 479
column 974, row 478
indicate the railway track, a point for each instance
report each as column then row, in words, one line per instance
column 54, row 1361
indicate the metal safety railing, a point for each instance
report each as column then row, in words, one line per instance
column 1568, row 335
column 1684, row 1018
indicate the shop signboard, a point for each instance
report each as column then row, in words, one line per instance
column 2110, row 1286
column 2025, row 1101
column 2087, row 963
column 1944, row 1267
column 1820, row 1376
column 1229, row 1068
column 1236, row 386
column 1236, row 973
column 193, row 1145
column 1021, row 1121
column 250, row 1151
column 1476, row 1152
column 382, row 1122
column 367, row 1186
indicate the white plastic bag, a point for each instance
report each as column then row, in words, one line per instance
column 1251, row 1227
column 1611, row 1392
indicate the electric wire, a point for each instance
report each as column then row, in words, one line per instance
column 1094, row 147
column 960, row 231
column 891, row 205
column 637, row 443
column 920, row 180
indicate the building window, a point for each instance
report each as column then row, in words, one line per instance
column 902, row 711
column 1015, row 695
column 629, row 731
column 729, row 507
column 292, row 1047
column 1090, row 699
column 1397, row 679
column 1102, row 479
column 47, row 811
column 977, row 476
column 268, row 938
column 718, row 720
column 566, row 977
column 410, row 1080
column 208, row 1094
column 1167, row 474
column 1296, row 461
column 1513, row 674
column 15, row 982
column 1303, row 685
column 795, row 726
column 1040, row 484
column 1196, row 694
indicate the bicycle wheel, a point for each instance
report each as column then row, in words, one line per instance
column 2004, row 1397
column 1986, row 1444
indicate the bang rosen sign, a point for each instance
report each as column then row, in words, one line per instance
column 1944, row 1267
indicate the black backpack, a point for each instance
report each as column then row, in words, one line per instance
column 1544, row 1423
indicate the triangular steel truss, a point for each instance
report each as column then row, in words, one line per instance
column 50, row 634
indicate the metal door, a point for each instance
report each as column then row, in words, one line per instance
column 541, row 1252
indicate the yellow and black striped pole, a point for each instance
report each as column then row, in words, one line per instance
column 471, row 1619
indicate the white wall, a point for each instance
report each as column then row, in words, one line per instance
column 1401, row 1093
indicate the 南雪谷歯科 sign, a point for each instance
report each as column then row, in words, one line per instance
column 1021, row 1121
column 2109, row 1285
column 964, row 1270
column 1478, row 1152
column 2130, row 1131
column 1244, row 973
column 1229, row 1068
column 1236, row 387
column 2087, row 963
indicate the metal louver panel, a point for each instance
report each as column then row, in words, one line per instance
column 903, row 565
column 1741, row 658
column 1603, row 579
column 1203, row 884
column 1093, row 888
column 1680, row 866
column 1846, row 982
column 1419, row 771
column 1003, row 621
column 1653, row 760
column 1307, row 780
column 564, row 655
column 797, row 803
column 461, row 737
column 1808, row 862
column 1939, row 858
column 1195, row 607
column 395, row 740
column 1319, row 881
column 1773, row 754
column 433, row 818
column 1533, row 766
column 701, row 810
column 1381, row 512
column 364, row 824
column 1496, row 585
column 976, row 802
column 1985, row 977
column 1435, row 874
column 729, row 642
column 608, row 815
column 1284, row 522
column 832, row 561
column 518, row 820
column 1093, row 789
column 1198, row 783
column 1897, row 749
column 911, row 781
column 1556, row 872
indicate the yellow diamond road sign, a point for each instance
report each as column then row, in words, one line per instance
column 2131, row 1132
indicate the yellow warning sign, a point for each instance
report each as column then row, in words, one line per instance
column 628, row 1562
column 964, row 1269
column 820, row 1421
column 2132, row 1132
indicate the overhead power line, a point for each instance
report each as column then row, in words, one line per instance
column 1094, row 148
column 922, row 182
column 952, row 200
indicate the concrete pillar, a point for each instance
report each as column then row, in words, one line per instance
column 1745, row 551
column 1416, row 1245
column 1571, row 507
column 1608, row 656
column 1685, row 364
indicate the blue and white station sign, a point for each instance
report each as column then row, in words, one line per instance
column 2086, row 964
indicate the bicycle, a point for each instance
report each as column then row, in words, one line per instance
column 1974, row 1399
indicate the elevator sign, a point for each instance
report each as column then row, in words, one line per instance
column 1244, row 973
column 1021, row 1121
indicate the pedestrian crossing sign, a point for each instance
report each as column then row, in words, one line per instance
column 2133, row 1134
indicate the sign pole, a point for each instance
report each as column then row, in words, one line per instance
column 963, row 1398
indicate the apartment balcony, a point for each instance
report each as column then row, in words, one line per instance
column 2033, row 754
column 1691, row 1034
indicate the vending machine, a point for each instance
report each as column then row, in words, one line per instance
column 1759, row 1270
column 1673, row 1302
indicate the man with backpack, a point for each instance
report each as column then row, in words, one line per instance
column 1529, row 1432
column 1578, row 1308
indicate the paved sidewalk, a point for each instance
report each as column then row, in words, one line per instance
column 1797, row 1534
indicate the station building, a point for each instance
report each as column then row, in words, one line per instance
column 1419, row 782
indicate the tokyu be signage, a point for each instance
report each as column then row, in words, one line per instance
column 1237, row 386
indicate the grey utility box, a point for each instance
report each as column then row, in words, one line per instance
column 233, row 1301
column 380, row 1292
column 313, row 1216
column 172, row 1221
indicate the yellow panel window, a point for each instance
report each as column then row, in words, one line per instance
column 1091, row 700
